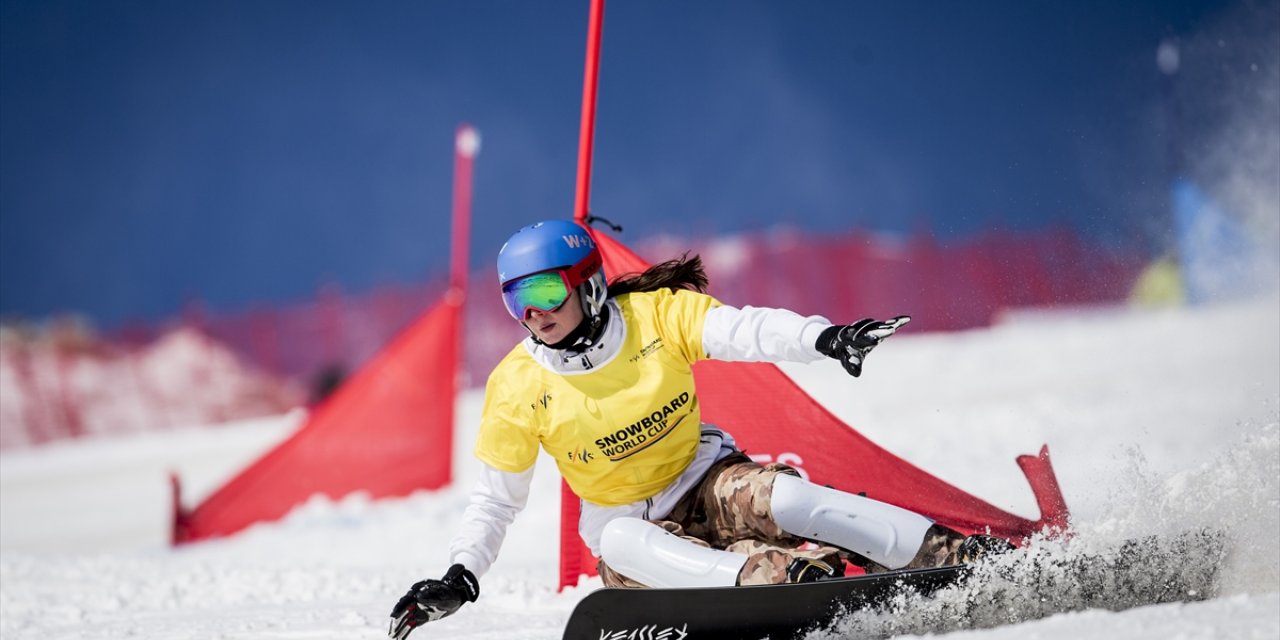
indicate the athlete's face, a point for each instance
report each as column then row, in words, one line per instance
column 552, row 326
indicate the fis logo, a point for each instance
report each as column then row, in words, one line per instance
column 541, row 402
column 580, row 455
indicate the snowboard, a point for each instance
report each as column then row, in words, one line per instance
column 734, row 613
column 1029, row 584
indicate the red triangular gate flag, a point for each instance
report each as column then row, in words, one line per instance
column 387, row 431
column 769, row 415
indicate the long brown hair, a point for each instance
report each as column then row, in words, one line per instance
column 684, row 272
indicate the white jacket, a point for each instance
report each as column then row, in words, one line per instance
column 749, row 334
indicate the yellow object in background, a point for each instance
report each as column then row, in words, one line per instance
column 1160, row 285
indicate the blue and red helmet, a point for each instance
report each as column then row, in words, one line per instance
column 541, row 264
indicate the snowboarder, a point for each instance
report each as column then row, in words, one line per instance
column 604, row 385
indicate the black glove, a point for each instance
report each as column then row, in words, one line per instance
column 430, row 600
column 851, row 343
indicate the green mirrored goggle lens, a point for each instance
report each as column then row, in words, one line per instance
column 541, row 291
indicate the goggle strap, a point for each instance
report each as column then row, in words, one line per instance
column 581, row 272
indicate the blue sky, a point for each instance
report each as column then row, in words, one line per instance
column 153, row 152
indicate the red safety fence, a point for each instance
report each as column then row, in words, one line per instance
column 310, row 340
column 943, row 286
column 65, row 383
column 293, row 353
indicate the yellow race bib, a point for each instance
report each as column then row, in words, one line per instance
column 620, row 432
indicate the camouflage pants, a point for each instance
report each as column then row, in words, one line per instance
column 730, row 510
column 940, row 548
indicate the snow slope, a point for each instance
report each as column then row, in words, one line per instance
column 1158, row 421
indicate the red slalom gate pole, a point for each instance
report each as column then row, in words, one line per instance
column 571, row 567
column 466, row 146
column 586, row 133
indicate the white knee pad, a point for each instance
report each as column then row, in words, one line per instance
column 882, row 532
column 648, row 554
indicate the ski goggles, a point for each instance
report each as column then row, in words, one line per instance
column 547, row 291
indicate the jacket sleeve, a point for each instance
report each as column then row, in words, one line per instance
column 759, row 334
column 495, row 501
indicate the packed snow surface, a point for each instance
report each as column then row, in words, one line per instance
column 1158, row 422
